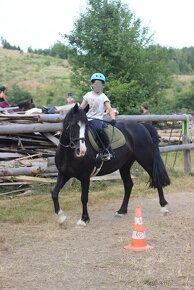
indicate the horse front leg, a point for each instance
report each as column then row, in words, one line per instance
column 128, row 185
column 61, row 180
column 85, row 183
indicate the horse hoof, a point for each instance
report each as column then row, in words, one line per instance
column 117, row 214
column 164, row 211
column 82, row 223
column 61, row 217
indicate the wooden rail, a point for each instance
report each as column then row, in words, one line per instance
column 185, row 125
column 53, row 122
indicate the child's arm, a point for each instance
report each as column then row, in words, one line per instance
column 83, row 104
column 110, row 110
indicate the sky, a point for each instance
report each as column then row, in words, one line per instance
column 40, row 23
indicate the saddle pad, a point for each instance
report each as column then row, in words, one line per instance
column 115, row 137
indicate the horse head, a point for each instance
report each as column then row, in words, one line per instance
column 26, row 105
column 74, row 131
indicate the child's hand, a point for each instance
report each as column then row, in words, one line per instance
column 113, row 122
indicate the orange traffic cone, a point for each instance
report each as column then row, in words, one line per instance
column 138, row 242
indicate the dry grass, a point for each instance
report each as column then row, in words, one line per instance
column 33, row 245
column 184, row 78
column 180, row 84
column 46, row 78
column 44, row 256
column 38, row 207
column 10, row 53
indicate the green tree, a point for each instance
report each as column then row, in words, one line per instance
column 108, row 38
column 59, row 50
column 7, row 45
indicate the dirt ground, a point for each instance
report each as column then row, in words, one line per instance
column 46, row 256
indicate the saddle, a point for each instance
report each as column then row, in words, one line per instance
column 115, row 136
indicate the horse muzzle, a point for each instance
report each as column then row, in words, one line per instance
column 80, row 151
column 80, row 147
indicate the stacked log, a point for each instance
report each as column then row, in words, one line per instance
column 170, row 136
column 26, row 142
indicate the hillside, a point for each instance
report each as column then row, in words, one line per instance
column 180, row 85
column 46, row 78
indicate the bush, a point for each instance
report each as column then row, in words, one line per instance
column 17, row 94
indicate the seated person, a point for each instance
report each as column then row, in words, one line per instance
column 98, row 102
column 70, row 99
column 3, row 98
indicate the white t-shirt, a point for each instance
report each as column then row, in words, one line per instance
column 96, row 103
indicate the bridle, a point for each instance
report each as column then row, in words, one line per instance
column 72, row 141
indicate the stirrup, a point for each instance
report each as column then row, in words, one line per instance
column 106, row 155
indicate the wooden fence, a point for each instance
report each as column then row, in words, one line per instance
column 186, row 147
column 47, row 124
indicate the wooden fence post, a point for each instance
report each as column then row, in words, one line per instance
column 186, row 140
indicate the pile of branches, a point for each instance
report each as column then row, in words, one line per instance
column 26, row 144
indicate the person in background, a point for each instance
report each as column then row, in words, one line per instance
column 3, row 97
column 70, row 99
column 145, row 111
column 98, row 103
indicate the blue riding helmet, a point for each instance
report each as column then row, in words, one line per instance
column 98, row 76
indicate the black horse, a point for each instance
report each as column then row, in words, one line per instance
column 76, row 157
column 25, row 105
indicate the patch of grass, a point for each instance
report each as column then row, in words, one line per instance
column 37, row 74
column 180, row 84
column 174, row 162
column 38, row 207
column 31, row 209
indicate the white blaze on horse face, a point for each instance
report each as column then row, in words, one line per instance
column 82, row 142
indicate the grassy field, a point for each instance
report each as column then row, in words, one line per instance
column 38, row 206
column 180, row 85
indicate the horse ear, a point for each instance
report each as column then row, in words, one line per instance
column 76, row 108
column 87, row 108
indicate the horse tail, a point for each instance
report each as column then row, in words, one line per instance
column 160, row 176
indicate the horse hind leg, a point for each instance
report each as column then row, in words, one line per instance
column 128, row 185
column 157, row 173
column 61, row 180
column 163, row 203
